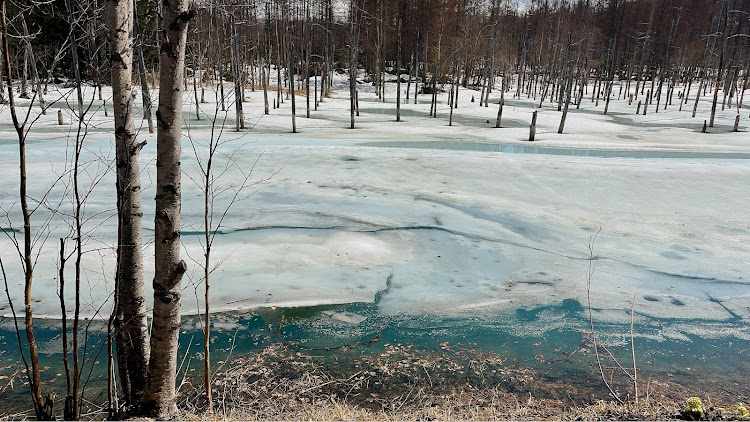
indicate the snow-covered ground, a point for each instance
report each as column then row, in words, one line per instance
column 430, row 214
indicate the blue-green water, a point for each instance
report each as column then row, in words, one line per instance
column 508, row 148
column 554, row 341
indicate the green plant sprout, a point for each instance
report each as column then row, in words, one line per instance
column 742, row 412
column 694, row 409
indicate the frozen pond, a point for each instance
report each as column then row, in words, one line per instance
column 571, row 152
column 436, row 234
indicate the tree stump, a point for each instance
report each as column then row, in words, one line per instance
column 532, row 128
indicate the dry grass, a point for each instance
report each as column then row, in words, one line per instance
column 284, row 382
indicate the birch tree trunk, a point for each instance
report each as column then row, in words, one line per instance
column 130, row 323
column 159, row 400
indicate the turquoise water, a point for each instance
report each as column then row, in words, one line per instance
column 552, row 340
column 571, row 152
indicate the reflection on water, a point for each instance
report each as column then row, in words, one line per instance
column 573, row 152
column 552, row 340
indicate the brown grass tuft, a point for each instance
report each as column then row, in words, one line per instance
column 284, row 382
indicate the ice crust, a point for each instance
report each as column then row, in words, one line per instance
column 458, row 232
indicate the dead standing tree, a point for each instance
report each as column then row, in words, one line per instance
column 3, row 100
column 353, row 49
column 29, row 52
column 402, row 12
column 239, row 78
column 145, row 93
column 723, row 16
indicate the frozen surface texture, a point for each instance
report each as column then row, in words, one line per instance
column 425, row 217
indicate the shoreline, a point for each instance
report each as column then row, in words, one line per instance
column 457, row 371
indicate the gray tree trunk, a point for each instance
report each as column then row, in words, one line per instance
column 220, row 65
column 25, row 76
column 308, row 47
column 568, row 95
column 408, row 81
column 719, row 71
column 292, row 76
column 502, row 99
column 159, row 400
column 398, row 67
column 352, row 63
column 454, row 86
column 196, row 71
column 239, row 80
column 34, row 72
column 3, row 100
column 77, row 72
column 265, row 87
column 145, row 94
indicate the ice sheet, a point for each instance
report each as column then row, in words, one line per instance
column 456, row 231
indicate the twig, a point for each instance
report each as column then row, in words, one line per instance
column 10, row 382
column 184, row 358
column 343, row 346
column 589, row 276
column 632, row 348
column 15, row 321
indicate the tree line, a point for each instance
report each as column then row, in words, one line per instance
column 432, row 42
column 474, row 40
